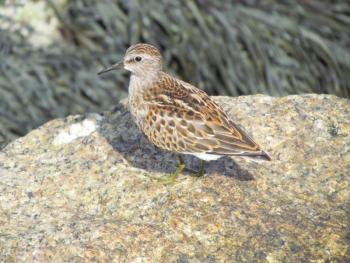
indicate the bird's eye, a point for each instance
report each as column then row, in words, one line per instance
column 138, row 59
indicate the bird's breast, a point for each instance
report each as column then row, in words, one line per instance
column 137, row 104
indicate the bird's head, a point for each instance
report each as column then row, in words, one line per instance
column 140, row 59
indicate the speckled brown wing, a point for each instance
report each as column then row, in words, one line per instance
column 184, row 119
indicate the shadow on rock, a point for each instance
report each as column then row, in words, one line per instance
column 125, row 137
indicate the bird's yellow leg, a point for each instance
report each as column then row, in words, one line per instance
column 200, row 172
column 179, row 169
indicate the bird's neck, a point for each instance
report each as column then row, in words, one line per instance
column 139, row 83
column 137, row 86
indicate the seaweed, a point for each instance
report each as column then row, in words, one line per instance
column 226, row 48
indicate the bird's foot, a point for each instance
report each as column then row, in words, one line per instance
column 198, row 173
column 171, row 179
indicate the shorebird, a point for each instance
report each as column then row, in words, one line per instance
column 176, row 116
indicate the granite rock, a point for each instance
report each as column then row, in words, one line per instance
column 85, row 188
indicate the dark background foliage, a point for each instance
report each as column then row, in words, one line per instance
column 224, row 47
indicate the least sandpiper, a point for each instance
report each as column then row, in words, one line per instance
column 176, row 116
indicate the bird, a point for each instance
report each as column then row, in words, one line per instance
column 179, row 117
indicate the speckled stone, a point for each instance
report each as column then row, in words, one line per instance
column 84, row 188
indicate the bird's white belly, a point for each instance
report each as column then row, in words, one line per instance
column 205, row 156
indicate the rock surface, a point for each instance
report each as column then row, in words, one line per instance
column 84, row 189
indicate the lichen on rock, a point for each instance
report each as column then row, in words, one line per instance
column 94, row 197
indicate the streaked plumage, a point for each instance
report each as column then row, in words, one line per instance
column 178, row 117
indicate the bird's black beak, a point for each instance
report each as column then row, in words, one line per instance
column 118, row 65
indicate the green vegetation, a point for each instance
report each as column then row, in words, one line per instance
column 225, row 47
